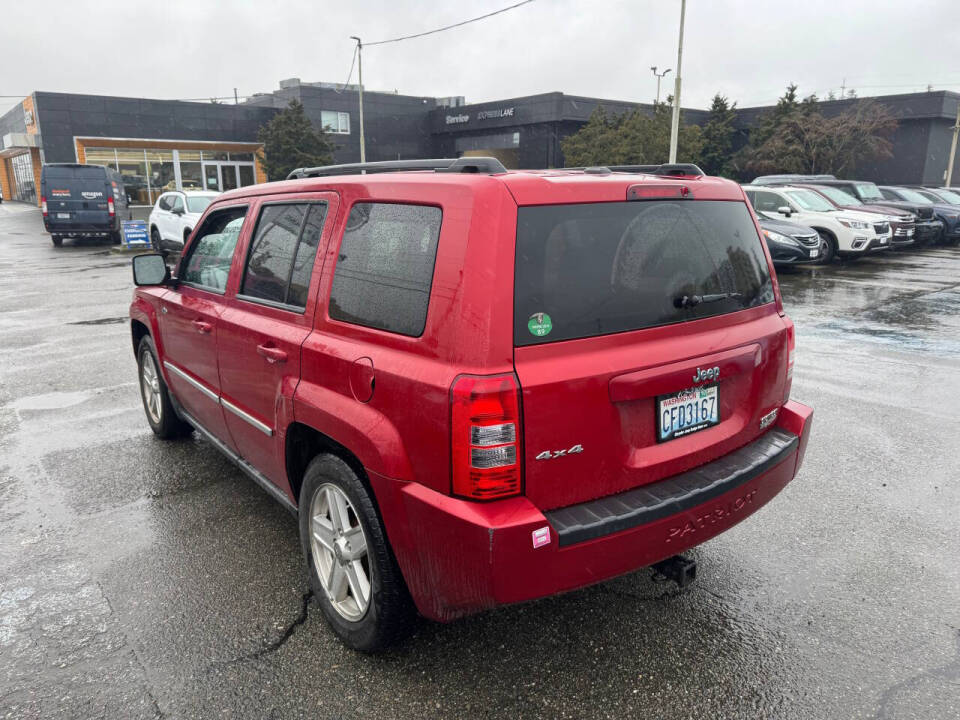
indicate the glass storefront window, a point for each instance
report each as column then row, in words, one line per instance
column 152, row 171
column 101, row 156
column 26, row 186
column 161, row 173
column 246, row 175
column 191, row 171
column 132, row 164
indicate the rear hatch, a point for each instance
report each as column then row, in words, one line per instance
column 76, row 196
column 647, row 342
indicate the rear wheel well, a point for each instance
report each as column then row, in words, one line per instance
column 303, row 444
column 186, row 234
column 137, row 331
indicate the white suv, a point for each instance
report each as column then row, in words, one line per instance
column 847, row 233
column 174, row 217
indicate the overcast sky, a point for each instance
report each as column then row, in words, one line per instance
column 747, row 50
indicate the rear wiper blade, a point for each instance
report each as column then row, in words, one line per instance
column 689, row 301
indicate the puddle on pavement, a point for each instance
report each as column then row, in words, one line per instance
column 51, row 401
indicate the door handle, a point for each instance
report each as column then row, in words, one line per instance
column 272, row 354
column 202, row 327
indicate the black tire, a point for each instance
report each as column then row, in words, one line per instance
column 829, row 247
column 115, row 237
column 57, row 240
column 390, row 615
column 155, row 238
column 186, row 236
column 167, row 425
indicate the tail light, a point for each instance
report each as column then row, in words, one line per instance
column 485, row 436
column 110, row 207
column 43, row 206
column 659, row 192
column 791, row 349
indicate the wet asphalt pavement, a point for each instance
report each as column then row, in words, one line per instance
column 142, row 579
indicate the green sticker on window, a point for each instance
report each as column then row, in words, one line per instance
column 539, row 324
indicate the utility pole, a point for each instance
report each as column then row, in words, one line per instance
column 363, row 149
column 953, row 148
column 658, row 76
column 675, row 124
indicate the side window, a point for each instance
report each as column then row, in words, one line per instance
column 208, row 263
column 887, row 195
column 306, row 254
column 768, row 202
column 176, row 203
column 164, row 202
column 282, row 253
column 385, row 267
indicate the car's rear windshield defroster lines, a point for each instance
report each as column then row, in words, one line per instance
column 601, row 268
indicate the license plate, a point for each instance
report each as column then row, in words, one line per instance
column 63, row 216
column 814, row 253
column 687, row 411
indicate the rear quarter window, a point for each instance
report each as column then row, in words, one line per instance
column 596, row 269
column 385, row 265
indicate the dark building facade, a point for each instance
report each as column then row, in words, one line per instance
column 163, row 144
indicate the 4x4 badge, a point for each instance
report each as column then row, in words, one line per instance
column 554, row 454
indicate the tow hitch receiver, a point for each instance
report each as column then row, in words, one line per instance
column 681, row 570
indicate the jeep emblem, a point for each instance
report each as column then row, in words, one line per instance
column 710, row 374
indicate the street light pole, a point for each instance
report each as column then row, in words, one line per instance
column 659, row 75
column 363, row 149
column 953, row 148
column 675, row 124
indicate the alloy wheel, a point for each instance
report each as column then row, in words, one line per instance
column 338, row 545
column 150, row 386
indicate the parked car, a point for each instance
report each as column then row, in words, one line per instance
column 362, row 347
column 945, row 212
column 845, row 233
column 82, row 201
column 175, row 215
column 950, row 195
column 902, row 224
column 927, row 228
column 790, row 243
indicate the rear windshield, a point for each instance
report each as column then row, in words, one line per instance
column 596, row 269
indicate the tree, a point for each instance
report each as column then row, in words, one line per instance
column 290, row 141
column 636, row 137
column 805, row 141
column 716, row 158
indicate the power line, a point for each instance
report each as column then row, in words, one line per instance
column 449, row 27
column 353, row 62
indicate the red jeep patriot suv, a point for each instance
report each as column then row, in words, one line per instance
column 476, row 387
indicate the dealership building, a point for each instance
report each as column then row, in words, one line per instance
column 159, row 145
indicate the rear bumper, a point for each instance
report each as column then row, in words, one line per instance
column 459, row 557
column 80, row 230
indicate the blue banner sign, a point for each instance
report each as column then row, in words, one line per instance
column 135, row 233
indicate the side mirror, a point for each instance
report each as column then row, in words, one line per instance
column 784, row 210
column 150, row 269
column 177, row 211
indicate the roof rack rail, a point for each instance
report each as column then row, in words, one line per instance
column 483, row 165
column 666, row 170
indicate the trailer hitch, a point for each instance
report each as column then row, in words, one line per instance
column 679, row 569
